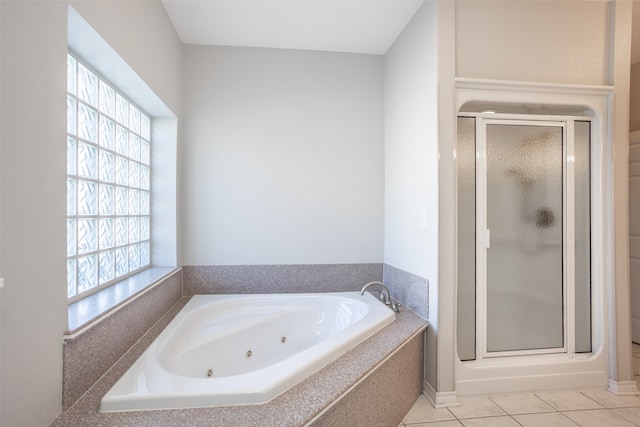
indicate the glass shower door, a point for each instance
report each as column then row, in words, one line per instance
column 524, row 184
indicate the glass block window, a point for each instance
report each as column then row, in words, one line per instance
column 108, row 183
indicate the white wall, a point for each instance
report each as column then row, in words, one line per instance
column 284, row 155
column 411, row 158
column 411, row 147
column 32, row 170
column 537, row 41
column 32, row 214
column 143, row 35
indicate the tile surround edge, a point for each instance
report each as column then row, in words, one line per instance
column 408, row 288
column 285, row 278
column 299, row 402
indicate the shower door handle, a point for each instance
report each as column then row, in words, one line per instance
column 487, row 238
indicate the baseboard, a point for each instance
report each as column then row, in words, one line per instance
column 441, row 399
column 531, row 383
column 623, row 388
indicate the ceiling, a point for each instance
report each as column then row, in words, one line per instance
column 355, row 26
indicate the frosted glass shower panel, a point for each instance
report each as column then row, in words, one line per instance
column 525, row 217
column 466, row 159
column 582, row 150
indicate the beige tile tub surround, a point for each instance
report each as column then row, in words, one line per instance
column 270, row 279
column 408, row 288
column 384, row 396
column 362, row 370
column 90, row 353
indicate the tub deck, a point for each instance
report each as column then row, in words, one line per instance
column 300, row 405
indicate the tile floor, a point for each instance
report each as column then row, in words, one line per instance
column 589, row 408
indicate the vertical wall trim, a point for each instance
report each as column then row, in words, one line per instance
column 621, row 364
column 443, row 293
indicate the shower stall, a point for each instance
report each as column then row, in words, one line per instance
column 530, row 253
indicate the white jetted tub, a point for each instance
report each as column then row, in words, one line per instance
column 223, row 350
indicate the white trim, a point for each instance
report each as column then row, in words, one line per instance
column 481, row 244
column 623, row 388
column 440, row 399
column 533, row 382
column 531, row 87
column 569, row 237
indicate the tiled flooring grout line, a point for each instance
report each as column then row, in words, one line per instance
column 592, row 399
column 601, row 402
column 563, row 412
column 461, row 420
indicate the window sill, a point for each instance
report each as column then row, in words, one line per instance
column 85, row 311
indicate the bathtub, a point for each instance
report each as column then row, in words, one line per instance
column 225, row 350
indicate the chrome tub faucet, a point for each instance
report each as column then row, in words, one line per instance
column 385, row 295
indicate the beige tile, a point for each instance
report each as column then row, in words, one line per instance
column 521, row 403
column 636, row 364
column 490, row 422
column 631, row 414
column 636, row 348
column 598, row 418
column 476, row 407
column 610, row 400
column 569, row 400
column 422, row 411
column 550, row 419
